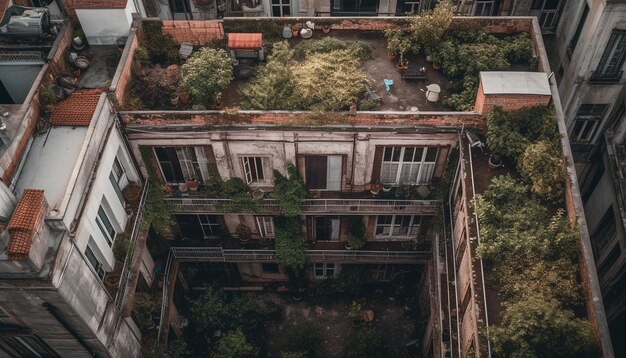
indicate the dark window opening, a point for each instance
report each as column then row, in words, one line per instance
column 270, row 267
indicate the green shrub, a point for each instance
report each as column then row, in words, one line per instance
column 158, row 44
column 367, row 105
column 465, row 100
column 503, row 138
column 234, row 345
column 356, row 232
column 274, row 86
column 237, row 191
column 359, row 49
column 541, row 164
column 289, row 241
column 430, row 26
column 289, row 191
column 207, row 72
column 121, row 246
column 143, row 305
column 537, row 327
column 367, row 343
column 303, row 336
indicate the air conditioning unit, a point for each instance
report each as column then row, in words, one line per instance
column 19, row 21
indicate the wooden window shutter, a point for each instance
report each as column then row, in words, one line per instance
column 378, row 161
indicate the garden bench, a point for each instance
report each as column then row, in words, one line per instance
column 413, row 73
column 373, row 96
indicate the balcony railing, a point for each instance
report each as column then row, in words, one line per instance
column 312, row 206
column 217, row 254
column 119, row 297
column 606, row 77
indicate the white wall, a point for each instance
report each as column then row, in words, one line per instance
column 104, row 26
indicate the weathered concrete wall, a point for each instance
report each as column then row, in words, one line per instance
column 123, row 74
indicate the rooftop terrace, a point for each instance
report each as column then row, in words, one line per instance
column 151, row 75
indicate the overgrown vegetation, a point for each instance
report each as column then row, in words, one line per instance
column 530, row 138
column 205, row 74
column 239, row 318
column 463, row 54
column 289, row 191
column 356, row 232
column 289, row 242
column 367, row 343
column 157, row 212
column 237, row 191
column 327, row 78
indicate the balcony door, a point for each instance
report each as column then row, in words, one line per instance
column 354, row 7
column 326, row 228
column 323, row 172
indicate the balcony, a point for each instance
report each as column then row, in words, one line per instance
column 217, row 254
column 313, row 206
column 609, row 77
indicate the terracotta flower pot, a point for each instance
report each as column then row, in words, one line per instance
column 391, row 56
column 401, row 68
column 184, row 98
column 295, row 32
column 436, row 66
column 326, row 29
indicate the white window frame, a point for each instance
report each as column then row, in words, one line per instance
column 188, row 160
column 420, row 171
column 589, row 115
column 108, row 235
column 265, row 225
column 248, row 162
column 415, row 5
column 209, row 229
column 324, row 269
column 391, row 230
column 479, row 7
column 116, row 176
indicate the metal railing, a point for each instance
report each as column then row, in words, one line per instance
column 218, row 254
column 311, row 206
column 355, row 13
column 606, row 77
column 119, row 298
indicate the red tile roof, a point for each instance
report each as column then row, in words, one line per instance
column 245, row 41
column 77, row 109
column 24, row 223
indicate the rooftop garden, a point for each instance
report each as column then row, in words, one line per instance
column 338, row 71
column 529, row 245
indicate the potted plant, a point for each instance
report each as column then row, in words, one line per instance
column 243, row 233
column 121, row 246
column 295, row 31
column 394, row 39
column 495, row 161
column 132, row 192
column 184, row 97
column 356, row 314
column 326, row 29
column 375, row 188
column 192, row 183
column 387, row 188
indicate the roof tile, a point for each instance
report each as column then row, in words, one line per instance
column 77, row 109
column 245, row 41
column 24, row 222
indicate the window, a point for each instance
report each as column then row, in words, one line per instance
column 265, row 224
column 180, row 163
column 270, row 267
column 199, row 226
column 587, row 122
column 180, row 6
column 605, row 233
column 547, row 12
column 354, row 7
column 408, row 165
column 589, row 185
column 26, row 346
column 397, row 226
column 323, row 270
column 115, row 177
column 94, row 262
column 326, row 228
column 256, row 170
column 323, row 172
column 579, row 29
column 105, row 225
column 610, row 67
column 281, row 8
column 411, row 7
column 484, row 8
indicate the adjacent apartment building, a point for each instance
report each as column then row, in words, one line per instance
column 588, row 54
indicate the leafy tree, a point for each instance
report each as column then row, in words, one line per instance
column 303, row 336
column 289, row 191
column 157, row 212
column 541, row 164
column 537, row 327
column 503, row 138
column 368, row 343
column 430, row 26
column 207, row 72
column 356, row 232
column 234, row 345
column 289, row 241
